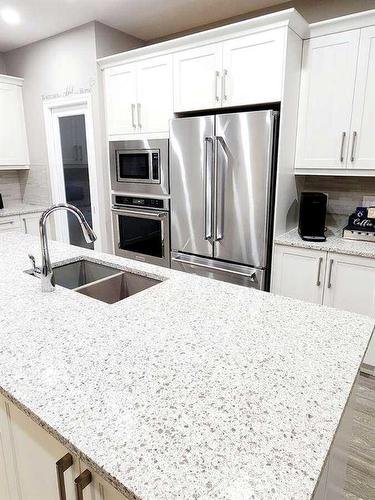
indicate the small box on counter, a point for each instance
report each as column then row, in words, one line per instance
column 360, row 225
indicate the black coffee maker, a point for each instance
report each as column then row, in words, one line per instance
column 312, row 216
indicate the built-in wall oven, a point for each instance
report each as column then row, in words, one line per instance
column 141, row 228
column 140, row 166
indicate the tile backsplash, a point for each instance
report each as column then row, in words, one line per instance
column 344, row 193
column 10, row 186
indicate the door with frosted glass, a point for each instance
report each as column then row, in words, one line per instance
column 76, row 174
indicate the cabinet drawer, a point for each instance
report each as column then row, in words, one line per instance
column 10, row 223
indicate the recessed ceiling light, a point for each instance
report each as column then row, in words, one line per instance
column 10, row 16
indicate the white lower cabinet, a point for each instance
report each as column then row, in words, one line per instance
column 299, row 274
column 25, row 223
column 12, row 223
column 35, row 466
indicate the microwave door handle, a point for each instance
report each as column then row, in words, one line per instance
column 207, row 169
column 219, row 189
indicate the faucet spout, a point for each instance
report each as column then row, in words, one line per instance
column 47, row 276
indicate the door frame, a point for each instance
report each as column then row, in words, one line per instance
column 53, row 109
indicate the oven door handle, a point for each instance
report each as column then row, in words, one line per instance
column 150, row 214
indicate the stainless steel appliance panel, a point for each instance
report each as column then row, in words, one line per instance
column 142, row 234
column 139, row 185
column 243, row 144
column 222, row 271
column 192, row 184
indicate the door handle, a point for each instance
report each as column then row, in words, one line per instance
column 330, row 274
column 219, row 190
column 133, row 115
column 225, row 74
column 139, row 115
column 252, row 275
column 217, row 76
column 208, row 188
column 318, row 282
column 342, row 147
column 352, row 157
column 63, row 465
column 81, row 482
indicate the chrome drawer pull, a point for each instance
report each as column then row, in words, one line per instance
column 63, row 465
column 342, row 147
column 352, row 157
column 318, row 282
column 330, row 274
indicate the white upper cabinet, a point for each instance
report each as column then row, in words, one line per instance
column 253, row 68
column 362, row 143
column 198, row 77
column 326, row 96
column 139, row 96
column 121, row 99
column 13, row 141
column 154, row 91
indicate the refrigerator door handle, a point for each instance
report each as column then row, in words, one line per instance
column 208, row 167
column 251, row 275
column 219, row 188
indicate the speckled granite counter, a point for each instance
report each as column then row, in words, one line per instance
column 192, row 389
column 20, row 209
column 334, row 243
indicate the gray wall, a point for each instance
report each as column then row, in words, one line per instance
column 111, row 41
column 2, row 65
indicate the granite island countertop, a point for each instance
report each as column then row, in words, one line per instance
column 192, row 389
column 334, row 243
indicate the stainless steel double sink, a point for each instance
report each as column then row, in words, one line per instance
column 99, row 281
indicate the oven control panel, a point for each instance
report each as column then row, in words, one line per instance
column 132, row 201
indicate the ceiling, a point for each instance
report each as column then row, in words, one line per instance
column 145, row 19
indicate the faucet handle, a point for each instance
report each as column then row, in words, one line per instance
column 36, row 270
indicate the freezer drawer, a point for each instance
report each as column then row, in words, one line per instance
column 222, row 271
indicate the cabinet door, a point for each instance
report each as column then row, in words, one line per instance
column 13, row 142
column 35, row 453
column 327, row 89
column 30, row 223
column 155, row 94
column 362, row 144
column 197, row 74
column 12, row 223
column 99, row 489
column 253, row 68
column 120, row 88
column 350, row 284
column 299, row 273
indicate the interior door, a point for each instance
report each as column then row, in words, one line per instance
column 121, row 99
column 362, row 144
column 197, row 75
column 243, row 179
column 191, row 148
column 253, row 68
column 155, row 94
column 327, row 88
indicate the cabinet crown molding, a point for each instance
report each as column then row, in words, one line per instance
column 286, row 18
column 344, row 23
column 14, row 80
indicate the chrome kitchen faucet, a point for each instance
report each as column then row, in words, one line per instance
column 46, row 271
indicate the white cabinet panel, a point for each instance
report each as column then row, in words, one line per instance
column 350, row 284
column 253, row 68
column 154, row 94
column 327, row 89
column 12, row 223
column 299, row 273
column 13, row 142
column 7, row 477
column 197, row 78
column 362, row 143
column 35, row 457
column 121, row 99
column 99, row 489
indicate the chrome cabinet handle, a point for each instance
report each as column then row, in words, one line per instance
column 318, row 282
column 139, row 115
column 208, row 188
column 6, row 222
column 133, row 116
column 352, row 158
column 63, row 465
column 330, row 274
column 225, row 74
column 342, row 147
column 83, row 480
column 217, row 75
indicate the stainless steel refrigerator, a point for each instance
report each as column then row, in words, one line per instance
column 222, row 183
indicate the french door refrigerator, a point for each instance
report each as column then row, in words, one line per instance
column 222, row 183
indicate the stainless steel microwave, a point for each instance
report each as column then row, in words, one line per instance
column 140, row 166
